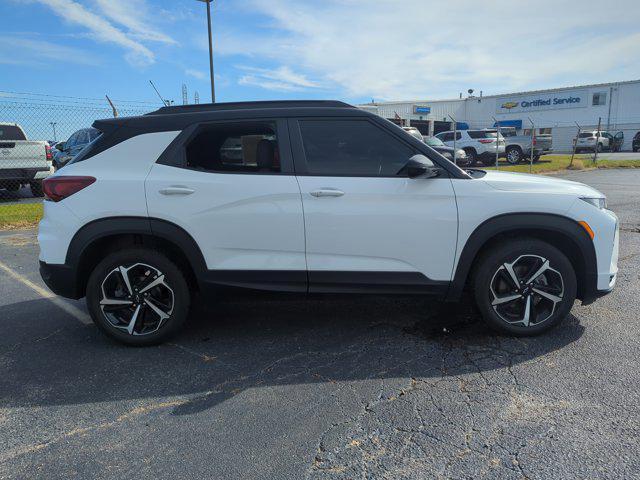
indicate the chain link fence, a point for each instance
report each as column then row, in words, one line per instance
column 39, row 133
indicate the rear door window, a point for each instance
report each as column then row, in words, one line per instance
column 250, row 147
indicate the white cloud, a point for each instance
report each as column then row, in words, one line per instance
column 101, row 30
column 23, row 51
column 135, row 16
column 280, row 79
column 398, row 50
column 197, row 74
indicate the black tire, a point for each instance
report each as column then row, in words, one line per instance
column 36, row 188
column 526, row 256
column 472, row 157
column 514, row 155
column 173, row 291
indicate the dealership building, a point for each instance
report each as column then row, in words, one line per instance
column 556, row 111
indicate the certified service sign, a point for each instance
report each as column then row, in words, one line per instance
column 545, row 101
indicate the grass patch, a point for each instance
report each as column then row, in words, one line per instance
column 20, row 215
column 558, row 163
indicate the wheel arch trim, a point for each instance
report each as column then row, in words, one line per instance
column 96, row 230
column 523, row 222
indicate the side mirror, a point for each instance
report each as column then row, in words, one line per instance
column 420, row 166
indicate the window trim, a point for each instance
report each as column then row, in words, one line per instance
column 175, row 154
column 297, row 146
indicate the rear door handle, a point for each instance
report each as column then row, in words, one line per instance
column 177, row 190
column 327, row 192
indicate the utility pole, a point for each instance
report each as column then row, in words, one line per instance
column 53, row 125
column 455, row 134
column 213, row 90
column 595, row 147
column 533, row 141
column 575, row 144
column 497, row 139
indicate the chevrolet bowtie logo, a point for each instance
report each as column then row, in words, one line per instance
column 509, row 105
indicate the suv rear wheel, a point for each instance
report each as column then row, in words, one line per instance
column 138, row 296
column 524, row 287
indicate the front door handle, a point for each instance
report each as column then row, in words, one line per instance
column 327, row 192
column 177, row 190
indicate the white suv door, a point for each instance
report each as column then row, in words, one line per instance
column 366, row 223
column 230, row 185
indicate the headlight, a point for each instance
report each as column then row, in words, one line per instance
column 600, row 203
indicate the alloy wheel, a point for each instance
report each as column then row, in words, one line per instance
column 136, row 299
column 526, row 291
column 513, row 156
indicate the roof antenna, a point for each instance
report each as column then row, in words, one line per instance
column 113, row 107
column 164, row 102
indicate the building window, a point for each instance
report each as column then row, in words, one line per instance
column 545, row 131
column 599, row 98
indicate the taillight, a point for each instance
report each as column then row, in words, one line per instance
column 47, row 151
column 534, row 140
column 486, row 140
column 59, row 188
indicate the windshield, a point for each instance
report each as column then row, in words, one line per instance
column 434, row 142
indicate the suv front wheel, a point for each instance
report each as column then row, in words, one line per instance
column 524, row 287
column 138, row 296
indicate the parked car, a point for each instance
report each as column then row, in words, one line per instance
column 22, row 161
column 479, row 145
column 518, row 147
column 413, row 131
column 328, row 198
column 586, row 141
column 76, row 142
column 635, row 144
column 447, row 152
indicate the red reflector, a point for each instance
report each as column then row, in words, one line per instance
column 47, row 151
column 59, row 188
column 486, row 140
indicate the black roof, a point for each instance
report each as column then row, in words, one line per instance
column 181, row 116
column 215, row 107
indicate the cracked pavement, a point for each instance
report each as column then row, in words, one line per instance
column 290, row 388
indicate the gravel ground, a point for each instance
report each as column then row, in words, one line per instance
column 291, row 388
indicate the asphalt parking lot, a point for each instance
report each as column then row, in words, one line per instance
column 286, row 388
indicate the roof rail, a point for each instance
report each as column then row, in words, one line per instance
column 213, row 107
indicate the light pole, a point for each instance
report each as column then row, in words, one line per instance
column 53, row 125
column 213, row 90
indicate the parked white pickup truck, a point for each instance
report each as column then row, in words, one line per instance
column 23, row 162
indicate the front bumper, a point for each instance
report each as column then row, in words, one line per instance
column 60, row 279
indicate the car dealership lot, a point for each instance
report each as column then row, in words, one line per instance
column 282, row 387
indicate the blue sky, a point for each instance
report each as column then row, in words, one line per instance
column 347, row 49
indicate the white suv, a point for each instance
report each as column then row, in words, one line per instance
column 309, row 196
column 479, row 145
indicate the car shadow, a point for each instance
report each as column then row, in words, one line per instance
column 241, row 344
